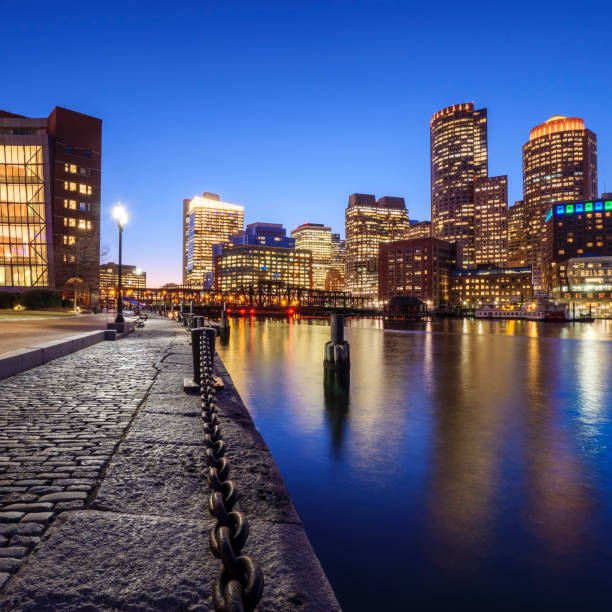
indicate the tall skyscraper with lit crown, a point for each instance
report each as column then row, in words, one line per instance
column 559, row 165
column 459, row 154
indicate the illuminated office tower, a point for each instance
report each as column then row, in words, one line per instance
column 459, row 154
column 50, row 203
column 368, row 224
column 517, row 235
column 419, row 229
column 317, row 239
column 335, row 278
column 206, row 221
column 491, row 221
column 559, row 165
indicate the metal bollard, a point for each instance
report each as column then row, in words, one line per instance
column 198, row 335
column 337, row 352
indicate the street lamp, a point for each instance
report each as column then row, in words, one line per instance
column 120, row 215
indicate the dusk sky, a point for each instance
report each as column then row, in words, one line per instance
column 288, row 107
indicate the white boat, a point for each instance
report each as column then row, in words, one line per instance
column 490, row 311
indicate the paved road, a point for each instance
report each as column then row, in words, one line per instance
column 16, row 334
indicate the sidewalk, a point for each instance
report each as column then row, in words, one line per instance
column 104, row 496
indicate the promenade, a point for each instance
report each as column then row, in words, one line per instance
column 103, row 494
column 16, row 333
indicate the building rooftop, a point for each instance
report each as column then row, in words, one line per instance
column 555, row 124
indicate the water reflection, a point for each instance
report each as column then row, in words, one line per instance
column 483, row 445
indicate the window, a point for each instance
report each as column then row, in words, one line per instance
column 68, row 186
column 84, row 206
column 69, row 222
column 71, row 204
column 85, row 189
column 70, row 240
column 68, row 149
column 87, row 154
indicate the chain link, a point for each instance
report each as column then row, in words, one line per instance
column 240, row 583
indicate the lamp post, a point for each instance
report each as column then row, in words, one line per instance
column 120, row 215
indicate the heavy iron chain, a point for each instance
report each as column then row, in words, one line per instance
column 240, row 583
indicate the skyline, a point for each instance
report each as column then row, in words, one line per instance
column 309, row 104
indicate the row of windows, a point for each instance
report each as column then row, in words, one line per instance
column 74, row 205
column 74, row 169
column 80, row 187
column 80, row 223
column 70, row 150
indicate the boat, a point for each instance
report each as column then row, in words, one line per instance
column 542, row 308
column 401, row 310
column 491, row 311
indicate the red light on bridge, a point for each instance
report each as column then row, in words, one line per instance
column 242, row 311
column 252, row 311
column 229, row 310
column 291, row 311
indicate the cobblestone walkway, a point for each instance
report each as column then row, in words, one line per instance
column 59, row 425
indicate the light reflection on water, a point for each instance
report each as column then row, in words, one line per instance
column 468, row 465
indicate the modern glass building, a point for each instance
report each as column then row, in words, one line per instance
column 316, row 238
column 370, row 223
column 206, row 221
column 459, row 154
column 50, row 202
column 491, row 221
column 559, row 165
column 241, row 267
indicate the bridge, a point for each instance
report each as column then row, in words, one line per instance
column 263, row 297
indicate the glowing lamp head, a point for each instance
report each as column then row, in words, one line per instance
column 120, row 215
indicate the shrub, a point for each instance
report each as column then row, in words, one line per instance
column 40, row 298
column 8, row 300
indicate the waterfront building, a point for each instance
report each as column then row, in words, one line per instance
column 474, row 288
column 265, row 234
column 559, row 165
column 370, row 223
column 419, row 268
column 491, row 221
column 459, row 154
column 206, row 221
column 316, row 238
column 132, row 279
column 585, row 284
column 418, row 229
column 576, row 229
column 517, row 235
column 50, row 178
column 240, row 267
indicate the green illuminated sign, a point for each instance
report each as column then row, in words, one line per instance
column 569, row 208
column 608, row 206
column 588, row 206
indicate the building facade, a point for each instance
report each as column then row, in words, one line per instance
column 459, row 154
column 206, row 221
column 316, row 238
column 50, row 180
column 491, row 221
column 517, row 235
column 585, row 284
column 420, row 229
column 132, row 278
column 559, row 165
column 576, row 229
column 418, row 267
column 335, row 278
column 240, row 267
column 475, row 288
column 370, row 223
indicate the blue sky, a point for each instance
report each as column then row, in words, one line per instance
column 288, row 107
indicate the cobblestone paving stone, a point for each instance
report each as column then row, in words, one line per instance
column 59, row 425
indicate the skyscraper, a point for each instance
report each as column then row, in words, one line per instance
column 559, row 165
column 368, row 224
column 517, row 235
column 316, row 238
column 50, row 178
column 491, row 221
column 206, row 221
column 335, row 279
column 459, row 154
